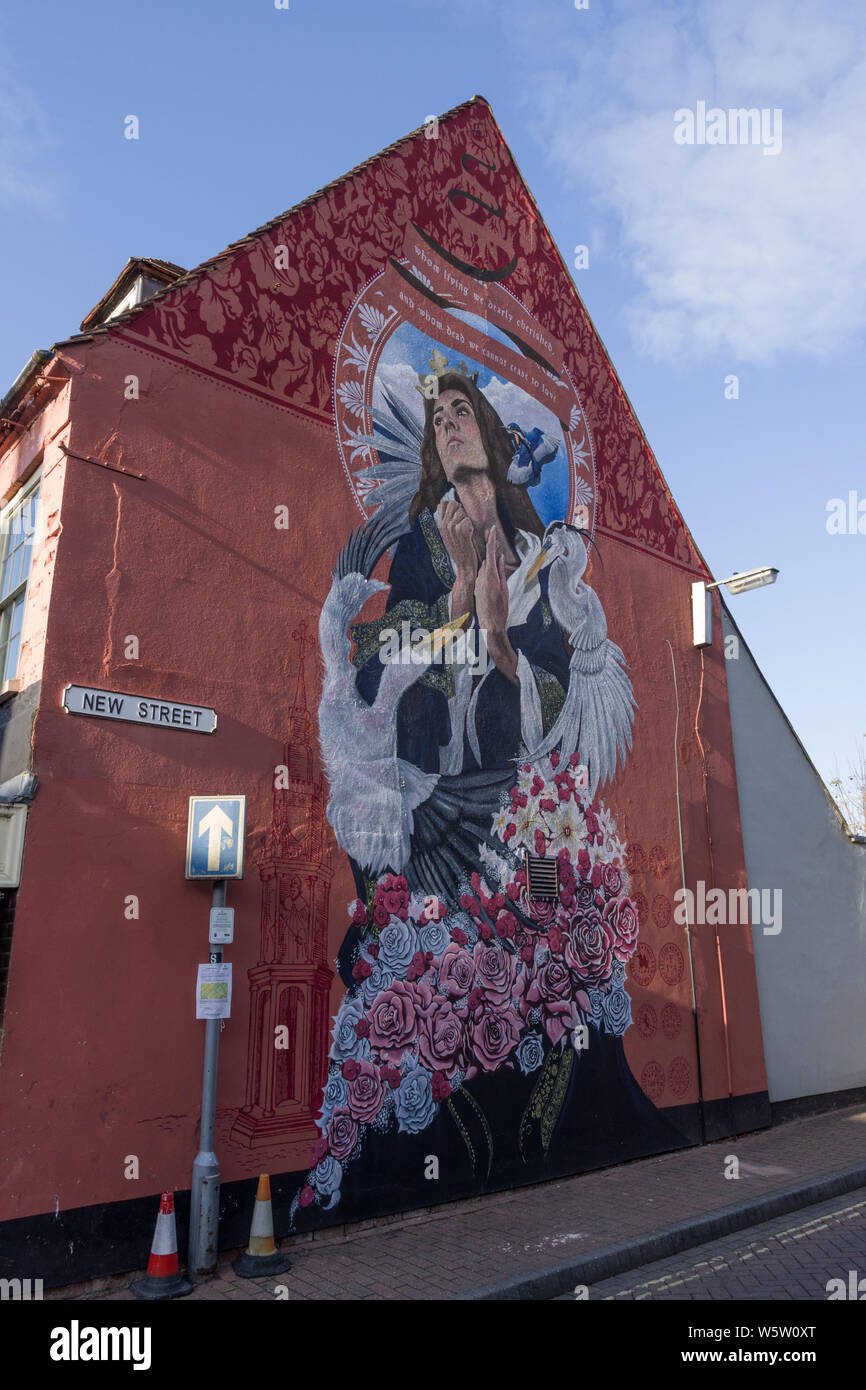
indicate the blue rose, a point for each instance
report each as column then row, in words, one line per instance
column 327, row 1176
column 616, row 1011
column 530, row 1052
column 596, row 999
column 416, row 1108
column 346, row 1042
column 378, row 979
column 398, row 943
column 435, row 937
column 336, row 1093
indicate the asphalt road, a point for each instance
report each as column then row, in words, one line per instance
column 791, row 1257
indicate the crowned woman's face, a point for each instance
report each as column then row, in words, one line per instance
column 458, row 438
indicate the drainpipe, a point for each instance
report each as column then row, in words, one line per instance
column 686, row 904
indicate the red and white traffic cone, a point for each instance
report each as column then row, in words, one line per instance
column 163, row 1278
column 261, row 1255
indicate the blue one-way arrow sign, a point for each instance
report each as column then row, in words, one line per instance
column 215, row 837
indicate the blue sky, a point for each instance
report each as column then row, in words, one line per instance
column 704, row 260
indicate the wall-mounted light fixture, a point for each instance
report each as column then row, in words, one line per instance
column 702, row 612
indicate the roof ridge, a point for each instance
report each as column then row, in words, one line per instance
column 189, row 277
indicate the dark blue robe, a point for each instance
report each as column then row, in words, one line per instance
column 421, row 579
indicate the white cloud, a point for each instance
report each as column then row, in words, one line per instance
column 734, row 252
column 402, row 381
column 512, row 403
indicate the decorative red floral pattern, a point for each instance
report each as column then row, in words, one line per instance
column 268, row 312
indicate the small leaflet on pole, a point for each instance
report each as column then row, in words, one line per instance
column 222, row 926
column 213, row 991
column 215, row 837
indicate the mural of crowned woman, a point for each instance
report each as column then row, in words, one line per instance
column 466, row 736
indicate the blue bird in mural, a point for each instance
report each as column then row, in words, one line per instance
column 531, row 452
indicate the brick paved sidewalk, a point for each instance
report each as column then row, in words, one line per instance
column 456, row 1250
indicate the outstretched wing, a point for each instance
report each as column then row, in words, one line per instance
column 392, row 481
column 366, row 546
column 598, row 712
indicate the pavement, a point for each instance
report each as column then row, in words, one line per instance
column 539, row 1242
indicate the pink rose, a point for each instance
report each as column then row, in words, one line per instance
column 620, row 914
column 494, row 1034
column 541, row 912
column 552, row 982
column 456, row 972
column 589, row 949
column 495, row 967
column 342, row 1133
column 441, row 1038
column 611, row 880
column 366, row 1093
column 393, row 1020
column 306, row 1196
column 550, row 988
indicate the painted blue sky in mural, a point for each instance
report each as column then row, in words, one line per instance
column 704, row 261
column 406, row 356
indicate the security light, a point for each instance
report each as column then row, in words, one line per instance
column 702, row 613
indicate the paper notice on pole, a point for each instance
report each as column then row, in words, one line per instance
column 213, row 991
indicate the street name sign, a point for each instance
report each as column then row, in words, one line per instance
column 215, row 837
column 138, row 709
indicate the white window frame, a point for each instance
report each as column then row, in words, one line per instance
column 9, row 683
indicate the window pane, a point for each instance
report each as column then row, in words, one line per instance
column 5, row 623
column 10, row 665
column 17, row 549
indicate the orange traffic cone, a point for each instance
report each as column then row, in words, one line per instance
column 163, row 1278
column 261, row 1255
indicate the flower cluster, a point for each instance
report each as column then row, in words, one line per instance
column 444, row 991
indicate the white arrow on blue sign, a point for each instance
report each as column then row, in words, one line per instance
column 215, row 837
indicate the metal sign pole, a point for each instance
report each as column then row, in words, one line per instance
column 205, row 1195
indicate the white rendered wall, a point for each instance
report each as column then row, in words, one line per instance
column 812, row 975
